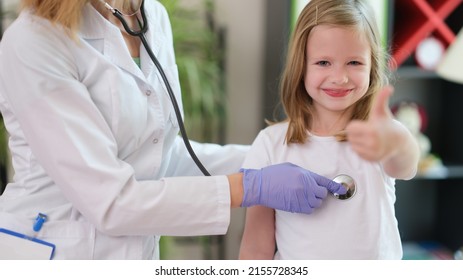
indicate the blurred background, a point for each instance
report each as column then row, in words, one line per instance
column 230, row 56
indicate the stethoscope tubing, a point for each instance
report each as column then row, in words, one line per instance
column 141, row 34
column 130, row 31
column 176, row 107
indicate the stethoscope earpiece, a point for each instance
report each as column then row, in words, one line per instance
column 349, row 183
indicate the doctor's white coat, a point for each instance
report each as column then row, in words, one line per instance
column 94, row 142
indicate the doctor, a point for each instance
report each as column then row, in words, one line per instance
column 95, row 145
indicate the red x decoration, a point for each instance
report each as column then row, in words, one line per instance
column 417, row 19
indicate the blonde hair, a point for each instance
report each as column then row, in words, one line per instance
column 295, row 100
column 67, row 13
column 63, row 12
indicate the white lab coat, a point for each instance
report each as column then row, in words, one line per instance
column 94, row 142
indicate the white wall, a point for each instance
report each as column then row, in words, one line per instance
column 245, row 35
column 244, row 21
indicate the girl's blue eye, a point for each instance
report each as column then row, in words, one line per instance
column 323, row 63
column 355, row 63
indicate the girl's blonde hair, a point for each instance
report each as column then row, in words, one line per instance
column 295, row 100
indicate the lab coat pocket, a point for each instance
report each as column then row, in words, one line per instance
column 73, row 239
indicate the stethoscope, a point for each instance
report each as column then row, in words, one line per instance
column 349, row 183
column 141, row 34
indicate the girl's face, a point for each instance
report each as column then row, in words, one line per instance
column 338, row 68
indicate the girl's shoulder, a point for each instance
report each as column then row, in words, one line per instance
column 274, row 133
column 277, row 128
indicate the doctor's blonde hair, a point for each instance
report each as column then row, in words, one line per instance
column 297, row 103
column 67, row 13
column 63, row 12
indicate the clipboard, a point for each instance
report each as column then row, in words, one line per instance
column 17, row 246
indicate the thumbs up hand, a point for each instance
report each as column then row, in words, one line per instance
column 385, row 140
column 375, row 139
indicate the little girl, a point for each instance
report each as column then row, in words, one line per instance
column 335, row 98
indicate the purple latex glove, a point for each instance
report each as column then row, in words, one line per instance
column 287, row 187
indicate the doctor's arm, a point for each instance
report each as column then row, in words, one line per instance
column 236, row 189
column 217, row 159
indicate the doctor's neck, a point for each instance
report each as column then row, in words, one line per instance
column 100, row 7
column 133, row 43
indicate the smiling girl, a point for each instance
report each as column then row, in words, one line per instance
column 335, row 95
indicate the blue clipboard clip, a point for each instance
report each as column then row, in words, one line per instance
column 41, row 218
column 16, row 246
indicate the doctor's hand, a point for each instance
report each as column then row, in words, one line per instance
column 286, row 187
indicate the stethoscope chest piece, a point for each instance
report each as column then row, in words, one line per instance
column 349, row 183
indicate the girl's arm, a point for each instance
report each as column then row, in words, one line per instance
column 402, row 160
column 258, row 240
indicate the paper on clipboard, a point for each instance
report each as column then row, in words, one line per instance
column 17, row 246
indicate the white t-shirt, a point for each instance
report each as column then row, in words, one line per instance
column 362, row 227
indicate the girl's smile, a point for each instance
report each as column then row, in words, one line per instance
column 337, row 92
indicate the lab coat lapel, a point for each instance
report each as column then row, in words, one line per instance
column 147, row 65
column 114, row 49
column 108, row 40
